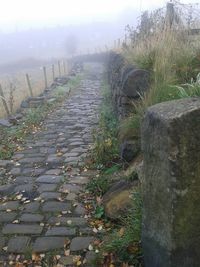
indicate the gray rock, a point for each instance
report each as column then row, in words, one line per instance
column 5, row 163
column 71, row 188
column 90, row 257
column 22, row 229
column 18, row 244
column 15, row 171
column 47, row 187
column 49, row 179
column 79, row 210
column 55, row 206
column 27, row 217
column 6, row 189
column 74, row 221
column 47, row 243
column 80, row 243
column 117, row 200
column 2, row 242
column 136, row 83
column 7, row 216
column 53, row 172
column 129, row 150
column 61, row 231
column 5, row 123
column 50, row 195
column 31, row 207
column 71, row 197
column 26, row 187
column 10, row 205
column 67, row 260
column 24, row 104
column 171, row 214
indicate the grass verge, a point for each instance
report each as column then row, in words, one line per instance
column 12, row 138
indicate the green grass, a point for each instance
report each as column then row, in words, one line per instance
column 12, row 138
column 174, row 63
column 124, row 243
column 106, row 146
column 99, row 185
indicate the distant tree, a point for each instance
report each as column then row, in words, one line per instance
column 71, row 44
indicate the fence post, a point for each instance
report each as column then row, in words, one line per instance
column 64, row 67
column 119, row 43
column 125, row 39
column 115, row 44
column 59, row 69
column 53, row 71
column 29, row 84
column 4, row 101
column 45, row 77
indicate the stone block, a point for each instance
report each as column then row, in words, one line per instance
column 171, row 186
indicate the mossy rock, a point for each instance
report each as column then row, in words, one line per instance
column 118, row 199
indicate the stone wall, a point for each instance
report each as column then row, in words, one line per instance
column 127, row 83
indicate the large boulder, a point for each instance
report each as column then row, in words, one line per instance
column 118, row 199
column 136, row 83
column 129, row 149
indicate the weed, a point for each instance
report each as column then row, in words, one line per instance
column 99, row 212
column 191, row 89
column 105, row 137
column 12, row 138
column 99, row 185
column 125, row 242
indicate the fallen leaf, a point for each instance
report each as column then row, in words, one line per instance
column 35, row 257
column 67, row 252
column 121, row 232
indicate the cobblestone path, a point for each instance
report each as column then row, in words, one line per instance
column 40, row 211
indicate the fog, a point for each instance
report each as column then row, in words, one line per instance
column 44, row 29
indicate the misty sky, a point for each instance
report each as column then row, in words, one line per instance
column 20, row 14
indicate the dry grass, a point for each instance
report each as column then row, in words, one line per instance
column 20, row 89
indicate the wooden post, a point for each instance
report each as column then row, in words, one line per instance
column 4, row 101
column 45, row 77
column 29, row 84
column 125, row 39
column 170, row 15
column 118, row 43
column 53, row 72
column 115, row 44
column 64, row 67
column 59, row 69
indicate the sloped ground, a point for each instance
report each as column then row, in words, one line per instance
column 40, row 212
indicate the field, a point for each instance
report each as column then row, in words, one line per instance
column 15, row 87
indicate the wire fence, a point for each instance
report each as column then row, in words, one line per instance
column 17, row 87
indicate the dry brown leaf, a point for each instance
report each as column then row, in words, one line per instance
column 121, row 232
column 36, row 257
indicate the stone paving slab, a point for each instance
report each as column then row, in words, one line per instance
column 49, row 179
column 7, row 216
column 80, row 243
column 22, row 229
column 34, row 218
column 61, row 231
column 56, row 206
column 18, row 244
column 47, row 243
